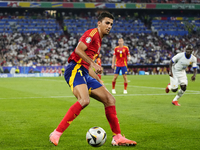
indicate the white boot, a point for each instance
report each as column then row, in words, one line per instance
column 113, row 91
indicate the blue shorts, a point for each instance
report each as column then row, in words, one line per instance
column 75, row 74
column 123, row 69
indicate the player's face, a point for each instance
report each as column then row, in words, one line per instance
column 121, row 41
column 105, row 25
column 188, row 52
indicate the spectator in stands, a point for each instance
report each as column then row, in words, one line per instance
column 17, row 70
column 63, row 70
column 31, row 70
column 1, row 69
column 28, row 47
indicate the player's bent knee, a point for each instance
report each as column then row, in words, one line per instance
column 110, row 100
column 183, row 87
column 84, row 102
column 174, row 90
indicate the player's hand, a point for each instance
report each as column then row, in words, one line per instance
column 193, row 78
column 112, row 66
column 129, row 58
column 98, row 69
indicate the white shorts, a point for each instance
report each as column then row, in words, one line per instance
column 179, row 78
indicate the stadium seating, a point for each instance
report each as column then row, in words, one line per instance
column 120, row 26
column 29, row 26
column 170, row 27
column 155, row 48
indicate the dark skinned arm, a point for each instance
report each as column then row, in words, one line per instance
column 194, row 74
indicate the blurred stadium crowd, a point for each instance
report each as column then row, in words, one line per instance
column 41, row 41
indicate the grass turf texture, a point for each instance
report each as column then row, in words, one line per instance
column 31, row 108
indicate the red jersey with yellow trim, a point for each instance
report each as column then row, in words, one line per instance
column 92, row 40
column 121, row 54
column 99, row 61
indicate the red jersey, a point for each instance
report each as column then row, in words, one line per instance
column 121, row 54
column 92, row 40
column 99, row 61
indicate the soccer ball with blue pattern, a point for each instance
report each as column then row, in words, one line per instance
column 96, row 136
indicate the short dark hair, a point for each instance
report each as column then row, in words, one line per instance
column 189, row 47
column 105, row 14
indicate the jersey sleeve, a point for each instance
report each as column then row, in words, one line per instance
column 128, row 52
column 114, row 51
column 176, row 58
column 86, row 39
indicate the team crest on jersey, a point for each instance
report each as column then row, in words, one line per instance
column 190, row 63
column 88, row 39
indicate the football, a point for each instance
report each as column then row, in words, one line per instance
column 96, row 136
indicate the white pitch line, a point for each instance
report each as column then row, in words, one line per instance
column 152, row 87
column 116, row 85
column 113, row 95
column 151, row 94
column 195, row 92
column 46, row 80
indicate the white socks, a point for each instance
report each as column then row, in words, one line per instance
column 179, row 94
column 169, row 87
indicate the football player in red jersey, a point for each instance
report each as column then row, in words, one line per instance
column 99, row 63
column 119, row 62
column 85, row 83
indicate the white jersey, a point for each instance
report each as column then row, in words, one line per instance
column 181, row 62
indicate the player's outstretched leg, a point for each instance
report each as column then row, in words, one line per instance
column 119, row 140
column 54, row 137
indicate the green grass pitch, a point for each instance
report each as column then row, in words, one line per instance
column 31, row 108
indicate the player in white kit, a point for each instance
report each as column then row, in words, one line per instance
column 177, row 72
